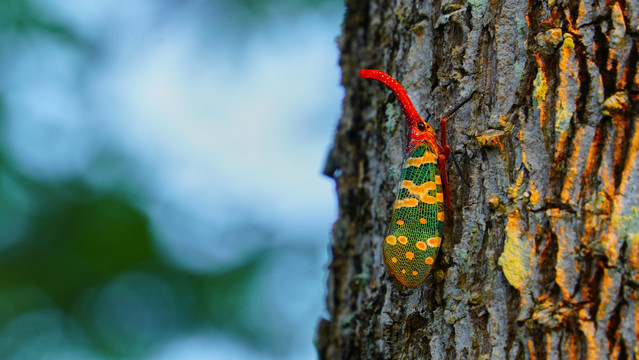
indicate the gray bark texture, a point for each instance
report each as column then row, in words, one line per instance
column 540, row 258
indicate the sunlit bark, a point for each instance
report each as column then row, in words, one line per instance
column 541, row 256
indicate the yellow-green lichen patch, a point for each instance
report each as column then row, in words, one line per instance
column 615, row 104
column 518, row 189
column 553, row 37
column 478, row 8
column 494, row 201
column 618, row 32
column 541, row 86
column 568, row 41
column 392, row 114
column 627, row 224
column 539, row 94
column 521, row 24
column 515, row 260
column 534, row 194
column 567, row 90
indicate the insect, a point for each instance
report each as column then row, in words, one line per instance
column 414, row 237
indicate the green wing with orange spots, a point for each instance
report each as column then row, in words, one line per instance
column 414, row 236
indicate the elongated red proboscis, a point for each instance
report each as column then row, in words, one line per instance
column 407, row 106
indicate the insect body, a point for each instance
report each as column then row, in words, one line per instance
column 414, row 237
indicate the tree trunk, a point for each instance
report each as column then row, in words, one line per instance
column 540, row 257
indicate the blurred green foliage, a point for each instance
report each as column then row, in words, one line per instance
column 21, row 18
column 90, row 253
column 78, row 241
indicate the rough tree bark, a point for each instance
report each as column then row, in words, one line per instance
column 540, row 258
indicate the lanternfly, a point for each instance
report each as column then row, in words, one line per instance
column 414, row 237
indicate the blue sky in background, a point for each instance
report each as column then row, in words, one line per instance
column 226, row 128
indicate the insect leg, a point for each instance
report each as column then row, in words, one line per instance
column 442, row 161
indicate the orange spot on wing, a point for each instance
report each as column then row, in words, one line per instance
column 427, row 158
column 440, row 216
column 429, row 185
column 438, row 180
column 400, row 222
column 410, row 202
column 421, row 190
column 421, row 245
column 403, row 271
column 391, row 240
column 429, row 261
column 412, row 162
column 429, row 199
column 414, row 272
column 403, row 240
column 433, row 242
column 440, row 197
column 394, row 259
column 410, row 255
column 423, row 221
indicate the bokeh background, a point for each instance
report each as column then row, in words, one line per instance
column 161, row 194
